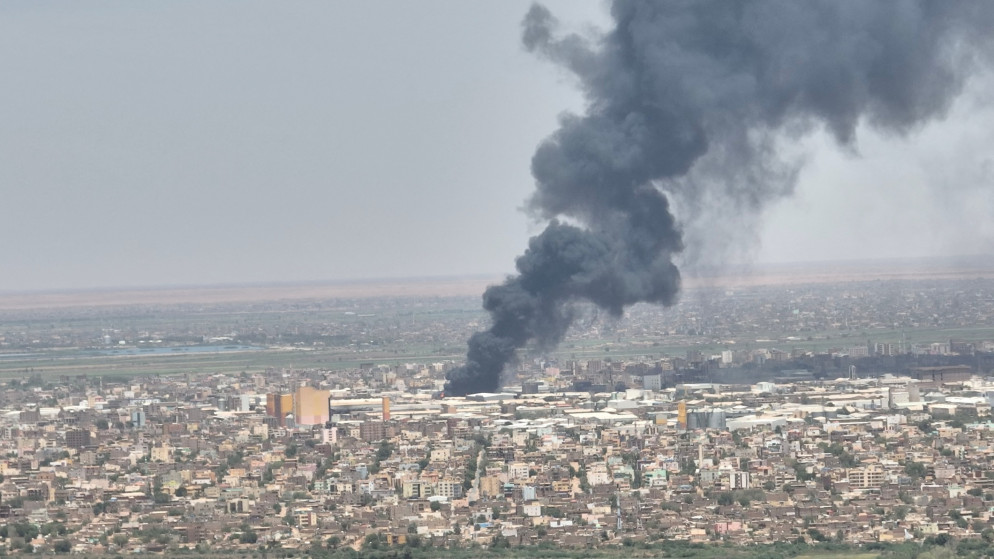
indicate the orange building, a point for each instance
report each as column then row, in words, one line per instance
column 279, row 406
column 310, row 406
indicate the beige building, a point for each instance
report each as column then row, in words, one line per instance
column 870, row 476
column 310, row 406
column 162, row 453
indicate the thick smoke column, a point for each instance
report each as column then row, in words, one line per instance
column 690, row 98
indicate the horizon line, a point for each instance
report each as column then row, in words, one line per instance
column 689, row 272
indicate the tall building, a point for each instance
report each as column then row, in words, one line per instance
column 652, row 382
column 77, row 438
column 310, row 406
column 279, row 406
column 238, row 402
column 372, row 431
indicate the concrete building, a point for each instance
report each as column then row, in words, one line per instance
column 77, row 438
column 279, row 406
column 310, row 406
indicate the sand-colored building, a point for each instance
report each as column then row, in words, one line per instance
column 310, row 406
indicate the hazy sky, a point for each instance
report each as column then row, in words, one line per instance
column 174, row 143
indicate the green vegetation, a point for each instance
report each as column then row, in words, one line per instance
column 382, row 453
column 375, row 546
column 469, row 474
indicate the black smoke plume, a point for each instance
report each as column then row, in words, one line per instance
column 687, row 100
